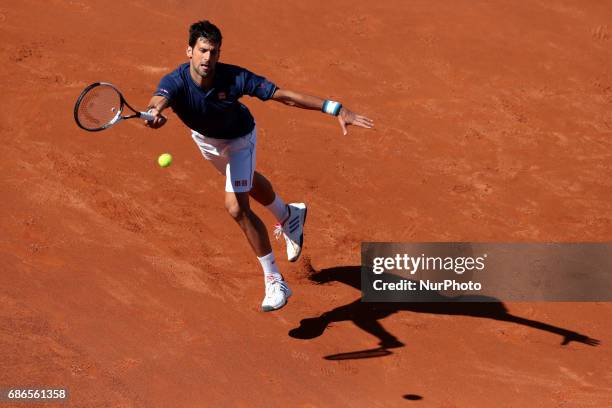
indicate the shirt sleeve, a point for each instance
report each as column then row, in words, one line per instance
column 258, row 86
column 168, row 88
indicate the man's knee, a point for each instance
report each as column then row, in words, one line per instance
column 237, row 209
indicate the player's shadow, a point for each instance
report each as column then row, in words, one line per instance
column 367, row 315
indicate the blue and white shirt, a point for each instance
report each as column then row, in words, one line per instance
column 217, row 112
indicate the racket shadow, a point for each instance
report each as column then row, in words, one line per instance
column 360, row 354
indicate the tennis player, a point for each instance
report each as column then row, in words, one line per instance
column 205, row 94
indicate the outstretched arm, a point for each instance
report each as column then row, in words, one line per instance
column 345, row 116
column 156, row 105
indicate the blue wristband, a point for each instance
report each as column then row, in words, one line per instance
column 331, row 107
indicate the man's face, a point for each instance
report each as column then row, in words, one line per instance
column 204, row 56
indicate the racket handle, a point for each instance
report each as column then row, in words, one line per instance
column 147, row 116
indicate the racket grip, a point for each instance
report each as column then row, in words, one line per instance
column 147, row 116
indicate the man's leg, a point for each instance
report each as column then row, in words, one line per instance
column 262, row 190
column 291, row 218
column 264, row 194
column 236, row 160
column 277, row 291
column 237, row 205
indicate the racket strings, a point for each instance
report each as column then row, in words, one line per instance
column 99, row 107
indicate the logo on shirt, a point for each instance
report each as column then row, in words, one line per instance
column 221, row 96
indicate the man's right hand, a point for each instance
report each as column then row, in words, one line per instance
column 156, row 105
column 159, row 121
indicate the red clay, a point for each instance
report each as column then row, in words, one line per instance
column 129, row 285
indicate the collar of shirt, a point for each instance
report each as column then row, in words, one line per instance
column 205, row 93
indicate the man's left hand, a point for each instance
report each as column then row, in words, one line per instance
column 346, row 117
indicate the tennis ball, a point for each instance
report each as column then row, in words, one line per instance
column 164, row 160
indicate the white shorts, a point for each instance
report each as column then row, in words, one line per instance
column 234, row 157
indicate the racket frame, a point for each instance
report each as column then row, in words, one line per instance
column 118, row 117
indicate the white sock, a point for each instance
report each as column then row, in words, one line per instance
column 279, row 209
column 268, row 264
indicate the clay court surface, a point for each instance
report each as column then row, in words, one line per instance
column 131, row 286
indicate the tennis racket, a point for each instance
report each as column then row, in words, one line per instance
column 101, row 106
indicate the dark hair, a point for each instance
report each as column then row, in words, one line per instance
column 204, row 29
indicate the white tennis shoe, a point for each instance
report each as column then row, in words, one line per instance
column 277, row 293
column 293, row 230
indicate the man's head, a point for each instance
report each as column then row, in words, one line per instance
column 207, row 30
column 204, row 47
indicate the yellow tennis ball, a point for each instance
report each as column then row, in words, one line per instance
column 164, row 160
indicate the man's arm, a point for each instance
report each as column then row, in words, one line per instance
column 156, row 106
column 345, row 116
